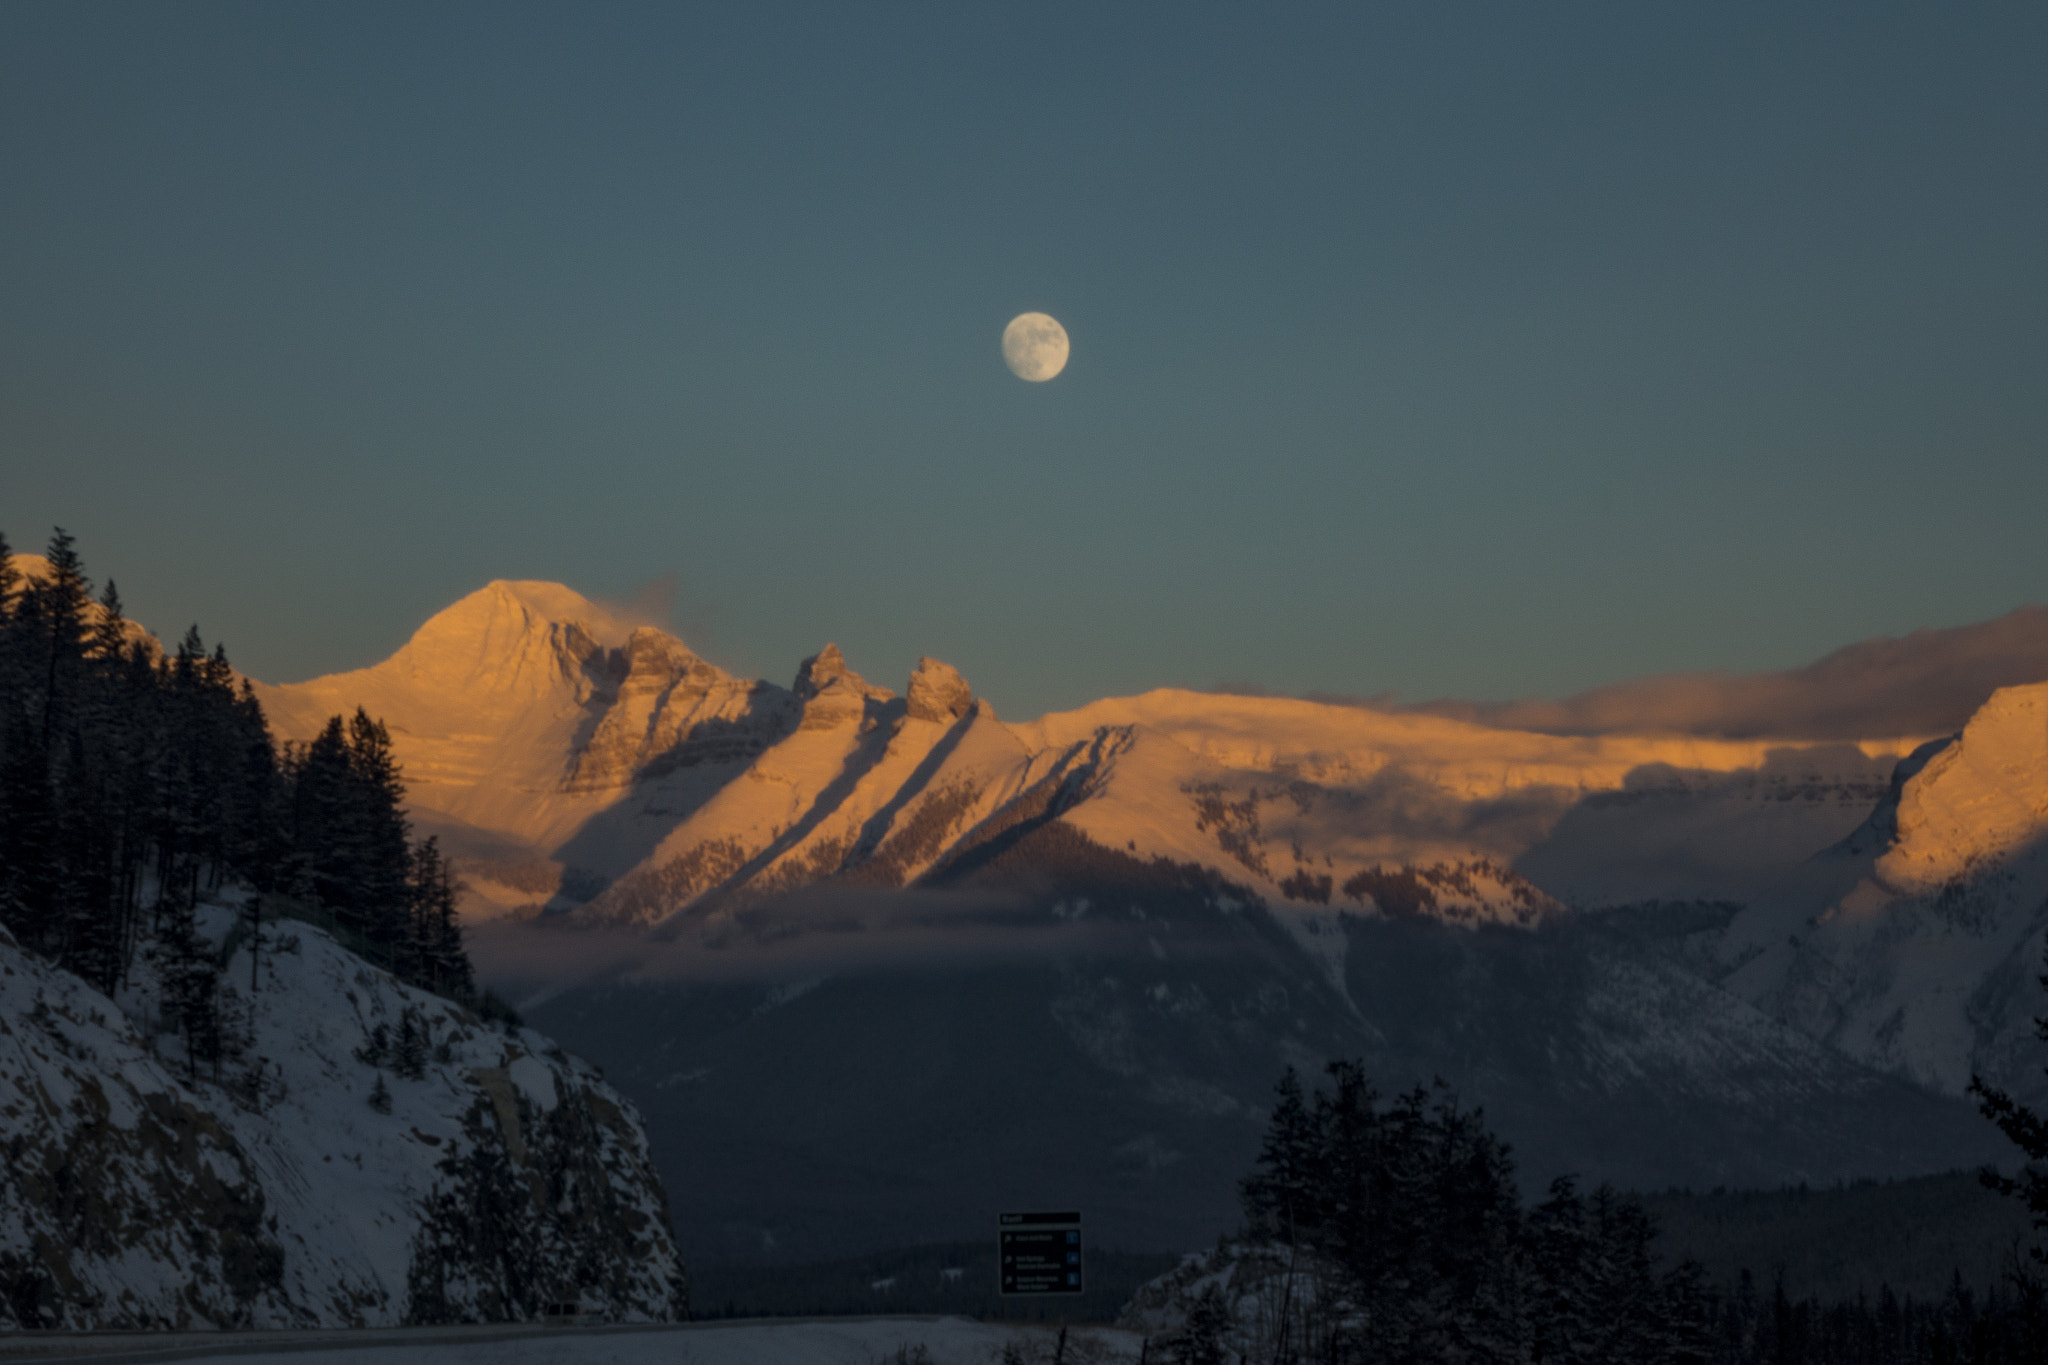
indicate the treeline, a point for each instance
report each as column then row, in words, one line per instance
column 1394, row 1231
column 134, row 784
column 1962, row 1327
column 1917, row 1235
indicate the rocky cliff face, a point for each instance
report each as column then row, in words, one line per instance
column 938, row 693
column 664, row 698
column 832, row 694
column 366, row 1154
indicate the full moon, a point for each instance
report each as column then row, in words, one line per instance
column 1035, row 347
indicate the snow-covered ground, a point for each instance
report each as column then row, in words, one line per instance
column 846, row 1341
column 316, row 1178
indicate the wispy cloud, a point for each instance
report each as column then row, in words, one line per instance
column 1925, row 683
column 668, row 604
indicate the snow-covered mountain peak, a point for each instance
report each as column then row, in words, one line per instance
column 518, row 695
column 1981, row 798
column 514, row 639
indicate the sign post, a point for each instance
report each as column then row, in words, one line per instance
column 1039, row 1253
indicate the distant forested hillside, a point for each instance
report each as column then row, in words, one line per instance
column 1916, row 1236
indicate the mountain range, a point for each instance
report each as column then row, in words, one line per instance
column 874, row 965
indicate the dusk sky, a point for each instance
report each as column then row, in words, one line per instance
column 1474, row 351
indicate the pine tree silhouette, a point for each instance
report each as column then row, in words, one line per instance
column 2028, row 1131
column 28, row 867
column 191, row 981
column 435, row 957
column 384, row 854
column 10, row 576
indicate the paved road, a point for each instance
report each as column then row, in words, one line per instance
column 800, row 1341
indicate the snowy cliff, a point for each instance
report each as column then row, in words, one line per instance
column 366, row 1154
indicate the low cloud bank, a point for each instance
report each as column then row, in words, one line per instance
column 805, row 934
column 1925, row 683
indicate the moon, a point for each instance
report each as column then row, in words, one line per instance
column 1035, row 347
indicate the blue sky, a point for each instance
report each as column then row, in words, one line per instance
column 1442, row 350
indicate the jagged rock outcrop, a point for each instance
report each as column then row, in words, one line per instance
column 938, row 693
column 831, row 693
column 668, row 709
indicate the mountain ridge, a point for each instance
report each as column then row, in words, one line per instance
column 616, row 752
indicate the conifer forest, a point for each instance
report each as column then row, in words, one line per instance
column 135, row 783
column 1393, row 1230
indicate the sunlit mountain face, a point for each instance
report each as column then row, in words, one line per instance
column 874, row 963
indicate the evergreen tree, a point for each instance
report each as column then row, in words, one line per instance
column 1408, row 1214
column 110, row 629
column 1201, row 1341
column 110, row 767
column 10, row 577
column 435, row 957
column 1278, row 1195
column 191, row 979
column 409, row 1051
column 2028, row 1131
column 28, row 868
column 385, row 854
column 376, row 1048
column 350, row 850
column 255, row 841
column 63, row 600
column 325, row 836
column 86, row 919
